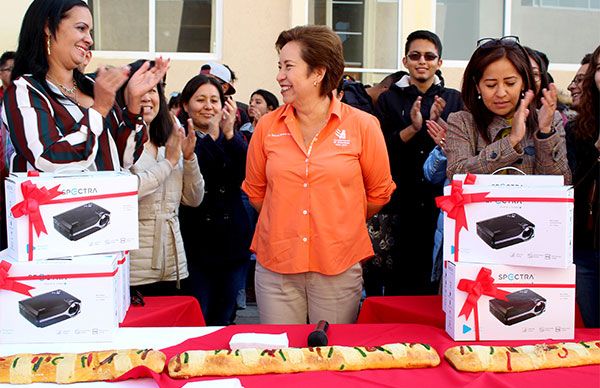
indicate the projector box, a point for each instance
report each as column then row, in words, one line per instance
column 60, row 300
column 531, row 303
column 89, row 213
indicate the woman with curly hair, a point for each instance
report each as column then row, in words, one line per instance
column 583, row 143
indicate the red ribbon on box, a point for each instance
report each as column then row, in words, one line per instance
column 9, row 284
column 34, row 197
column 482, row 285
column 454, row 204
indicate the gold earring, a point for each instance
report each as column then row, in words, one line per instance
column 315, row 83
column 48, row 45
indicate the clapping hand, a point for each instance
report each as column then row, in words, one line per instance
column 546, row 114
column 437, row 132
column 437, row 108
column 173, row 145
column 415, row 115
column 229, row 115
column 519, row 124
column 143, row 80
column 188, row 142
column 107, row 83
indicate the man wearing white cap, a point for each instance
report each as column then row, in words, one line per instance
column 221, row 73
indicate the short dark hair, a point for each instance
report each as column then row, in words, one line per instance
column 587, row 58
column 320, row 46
column 6, row 56
column 480, row 60
column 391, row 79
column 30, row 57
column 269, row 97
column 423, row 34
column 190, row 88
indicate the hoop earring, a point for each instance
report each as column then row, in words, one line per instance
column 48, row 45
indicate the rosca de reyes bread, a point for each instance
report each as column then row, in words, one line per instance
column 336, row 358
column 65, row 368
column 477, row 358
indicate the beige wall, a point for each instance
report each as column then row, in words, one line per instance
column 250, row 29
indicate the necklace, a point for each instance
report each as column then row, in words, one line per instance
column 72, row 91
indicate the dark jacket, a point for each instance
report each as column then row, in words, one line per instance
column 218, row 231
column 585, row 167
column 407, row 159
column 355, row 95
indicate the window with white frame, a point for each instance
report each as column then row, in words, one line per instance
column 368, row 30
column 565, row 30
column 155, row 26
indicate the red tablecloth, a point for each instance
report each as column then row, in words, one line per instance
column 376, row 334
column 425, row 310
column 165, row 311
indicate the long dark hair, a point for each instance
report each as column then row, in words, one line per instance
column 31, row 56
column 587, row 124
column 190, row 88
column 480, row 60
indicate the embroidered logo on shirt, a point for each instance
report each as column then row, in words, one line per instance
column 340, row 138
column 280, row 134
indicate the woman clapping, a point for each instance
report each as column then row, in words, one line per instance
column 55, row 114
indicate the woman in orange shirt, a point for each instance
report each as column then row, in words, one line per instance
column 316, row 170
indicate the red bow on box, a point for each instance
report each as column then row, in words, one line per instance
column 33, row 198
column 482, row 285
column 11, row 285
column 454, row 206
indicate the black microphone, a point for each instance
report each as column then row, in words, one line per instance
column 319, row 337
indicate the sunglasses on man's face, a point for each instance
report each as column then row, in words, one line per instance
column 509, row 40
column 415, row 56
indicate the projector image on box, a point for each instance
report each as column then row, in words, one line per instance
column 81, row 221
column 49, row 308
column 506, row 230
column 521, row 305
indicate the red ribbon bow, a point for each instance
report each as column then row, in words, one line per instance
column 11, row 285
column 454, row 204
column 33, row 198
column 482, row 285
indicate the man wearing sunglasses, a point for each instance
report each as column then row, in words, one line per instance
column 403, row 111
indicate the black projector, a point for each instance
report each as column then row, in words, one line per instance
column 81, row 221
column 49, row 308
column 521, row 305
column 506, row 230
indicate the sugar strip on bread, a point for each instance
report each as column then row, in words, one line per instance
column 477, row 358
column 66, row 368
column 335, row 358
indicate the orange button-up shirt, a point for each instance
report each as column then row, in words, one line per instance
column 314, row 201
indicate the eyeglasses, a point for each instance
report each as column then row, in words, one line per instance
column 415, row 56
column 578, row 79
column 3, row 69
column 509, row 40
